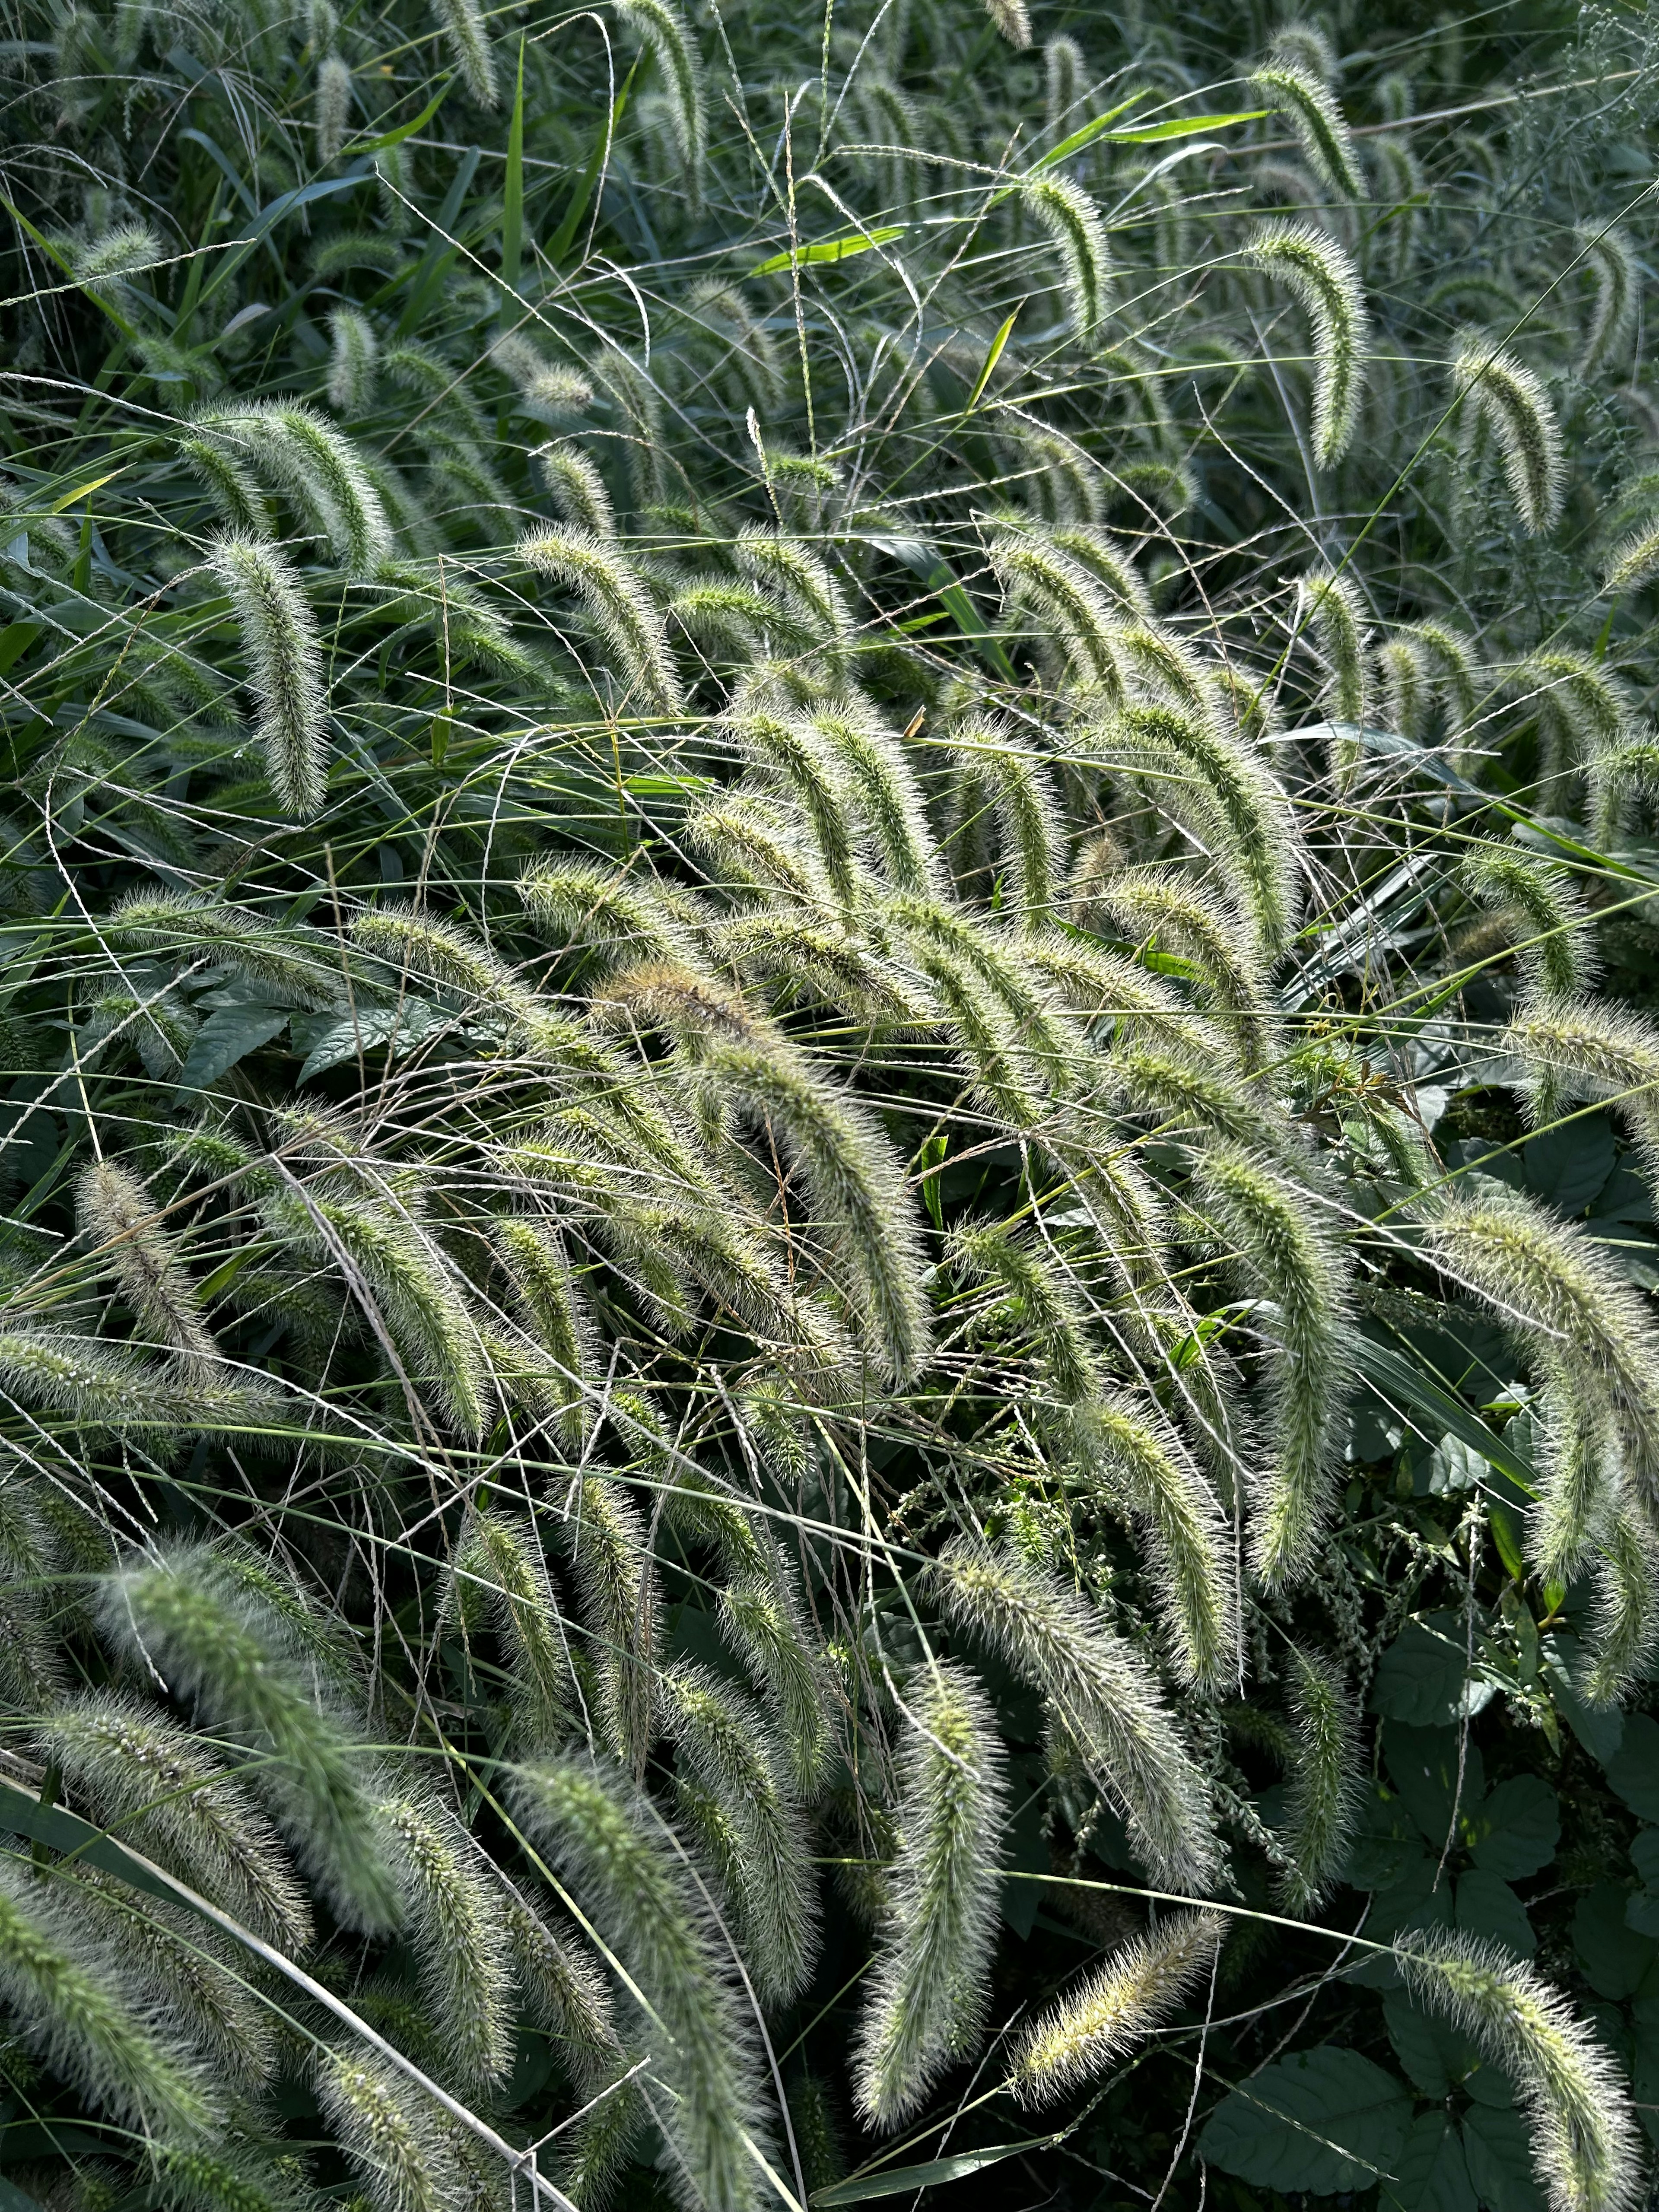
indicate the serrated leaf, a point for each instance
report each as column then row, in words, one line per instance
column 1420, row 1678
column 1434, row 2175
column 1496, row 2147
column 1454, row 1466
column 229, row 1034
column 1433, row 2057
column 1323, row 2120
column 1438, row 2059
column 1515, row 1827
column 341, row 1037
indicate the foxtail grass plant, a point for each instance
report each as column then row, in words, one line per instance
column 830, row 1106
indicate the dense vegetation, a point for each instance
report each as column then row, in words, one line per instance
column 827, row 1140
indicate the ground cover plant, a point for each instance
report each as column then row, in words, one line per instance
column 827, row 1147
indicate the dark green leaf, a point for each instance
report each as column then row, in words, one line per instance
column 513, row 186
column 1568, row 1167
column 1437, row 1773
column 1384, row 1840
column 388, row 138
column 1602, row 1733
column 22, row 1814
column 333, row 1038
column 1439, row 2058
column 228, row 1034
column 1420, row 1677
column 1025, row 1851
column 1615, row 1958
column 1185, row 127
column 1515, row 1828
column 1644, row 2063
column 1433, row 2175
column 1323, row 2120
column 1498, row 2148
column 1488, row 1907
column 1421, row 1896
column 1633, row 1769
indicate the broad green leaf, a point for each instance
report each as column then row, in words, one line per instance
column 228, row 1034
column 22, row 1814
column 1323, row 2120
column 1515, row 1827
column 1613, row 1956
column 1570, row 1167
column 1421, row 1676
column 901, row 2180
column 1508, row 1540
column 1625, row 1198
column 16, row 639
column 1384, row 1839
column 1633, row 1769
column 329, row 1040
column 63, row 263
column 830, row 249
column 1644, row 2063
column 1150, row 134
column 1488, row 1907
column 1419, row 1896
column 83, row 491
column 1496, row 2144
column 1433, row 2175
column 1602, row 1733
column 1025, row 1851
column 1437, row 2058
column 936, row 574
column 1437, row 1775
column 1454, row 1466
column 928, row 1161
